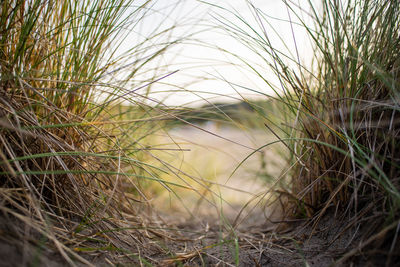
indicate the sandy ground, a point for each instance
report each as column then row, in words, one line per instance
column 211, row 244
column 259, row 245
column 211, row 160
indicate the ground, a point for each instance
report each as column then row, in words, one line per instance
column 268, row 244
column 208, row 243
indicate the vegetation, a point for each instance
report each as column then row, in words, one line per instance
column 343, row 129
column 72, row 161
column 77, row 132
column 217, row 112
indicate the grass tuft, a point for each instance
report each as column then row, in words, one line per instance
column 340, row 118
column 72, row 159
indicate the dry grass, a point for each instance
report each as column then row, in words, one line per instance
column 340, row 121
column 71, row 167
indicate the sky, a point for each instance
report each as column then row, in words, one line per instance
column 210, row 63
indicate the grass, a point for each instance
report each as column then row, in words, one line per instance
column 73, row 164
column 79, row 154
column 340, row 120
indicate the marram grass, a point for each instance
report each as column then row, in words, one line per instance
column 68, row 158
column 341, row 114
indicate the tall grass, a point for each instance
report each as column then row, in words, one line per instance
column 72, row 159
column 341, row 113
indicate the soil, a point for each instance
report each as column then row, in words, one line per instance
column 207, row 242
column 290, row 243
column 266, row 244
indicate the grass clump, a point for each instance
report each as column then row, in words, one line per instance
column 341, row 113
column 347, row 125
column 70, row 164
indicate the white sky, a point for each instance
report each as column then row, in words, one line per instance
column 204, row 69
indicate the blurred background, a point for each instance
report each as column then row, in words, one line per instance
column 215, row 84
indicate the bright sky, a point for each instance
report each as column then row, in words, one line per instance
column 207, row 72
